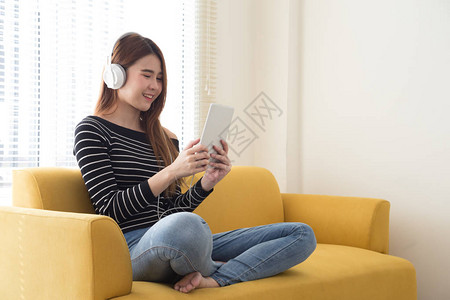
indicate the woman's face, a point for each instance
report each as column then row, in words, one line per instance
column 143, row 84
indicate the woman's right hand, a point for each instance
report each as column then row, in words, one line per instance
column 193, row 159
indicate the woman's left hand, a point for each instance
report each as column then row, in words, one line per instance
column 217, row 170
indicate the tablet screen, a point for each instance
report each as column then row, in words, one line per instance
column 216, row 126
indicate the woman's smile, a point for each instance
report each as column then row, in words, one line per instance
column 149, row 97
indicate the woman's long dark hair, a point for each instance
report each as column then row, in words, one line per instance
column 127, row 50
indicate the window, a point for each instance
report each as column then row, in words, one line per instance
column 52, row 58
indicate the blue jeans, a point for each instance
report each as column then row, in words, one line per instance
column 182, row 243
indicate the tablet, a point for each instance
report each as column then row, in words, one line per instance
column 216, row 126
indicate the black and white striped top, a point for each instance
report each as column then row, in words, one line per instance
column 115, row 163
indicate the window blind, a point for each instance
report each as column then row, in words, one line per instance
column 51, row 56
column 206, row 52
column 195, row 87
column 48, row 53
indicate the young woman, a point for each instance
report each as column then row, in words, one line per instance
column 132, row 169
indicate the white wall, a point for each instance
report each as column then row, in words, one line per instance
column 258, row 53
column 371, row 117
column 375, row 119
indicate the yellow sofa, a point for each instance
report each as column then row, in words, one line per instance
column 55, row 247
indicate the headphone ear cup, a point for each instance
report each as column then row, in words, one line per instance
column 114, row 76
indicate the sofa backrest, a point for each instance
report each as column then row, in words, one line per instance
column 60, row 189
column 246, row 197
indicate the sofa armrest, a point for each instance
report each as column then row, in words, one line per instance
column 60, row 255
column 350, row 221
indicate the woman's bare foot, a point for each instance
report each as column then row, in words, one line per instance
column 193, row 281
column 222, row 262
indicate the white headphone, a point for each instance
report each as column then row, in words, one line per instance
column 114, row 75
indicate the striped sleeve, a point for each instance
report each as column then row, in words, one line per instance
column 91, row 152
column 188, row 201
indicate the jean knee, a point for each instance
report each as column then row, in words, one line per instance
column 308, row 238
column 311, row 238
column 187, row 230
column 185, row 221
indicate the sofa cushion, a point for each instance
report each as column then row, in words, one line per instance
column 332, row 272
column 249, row 197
